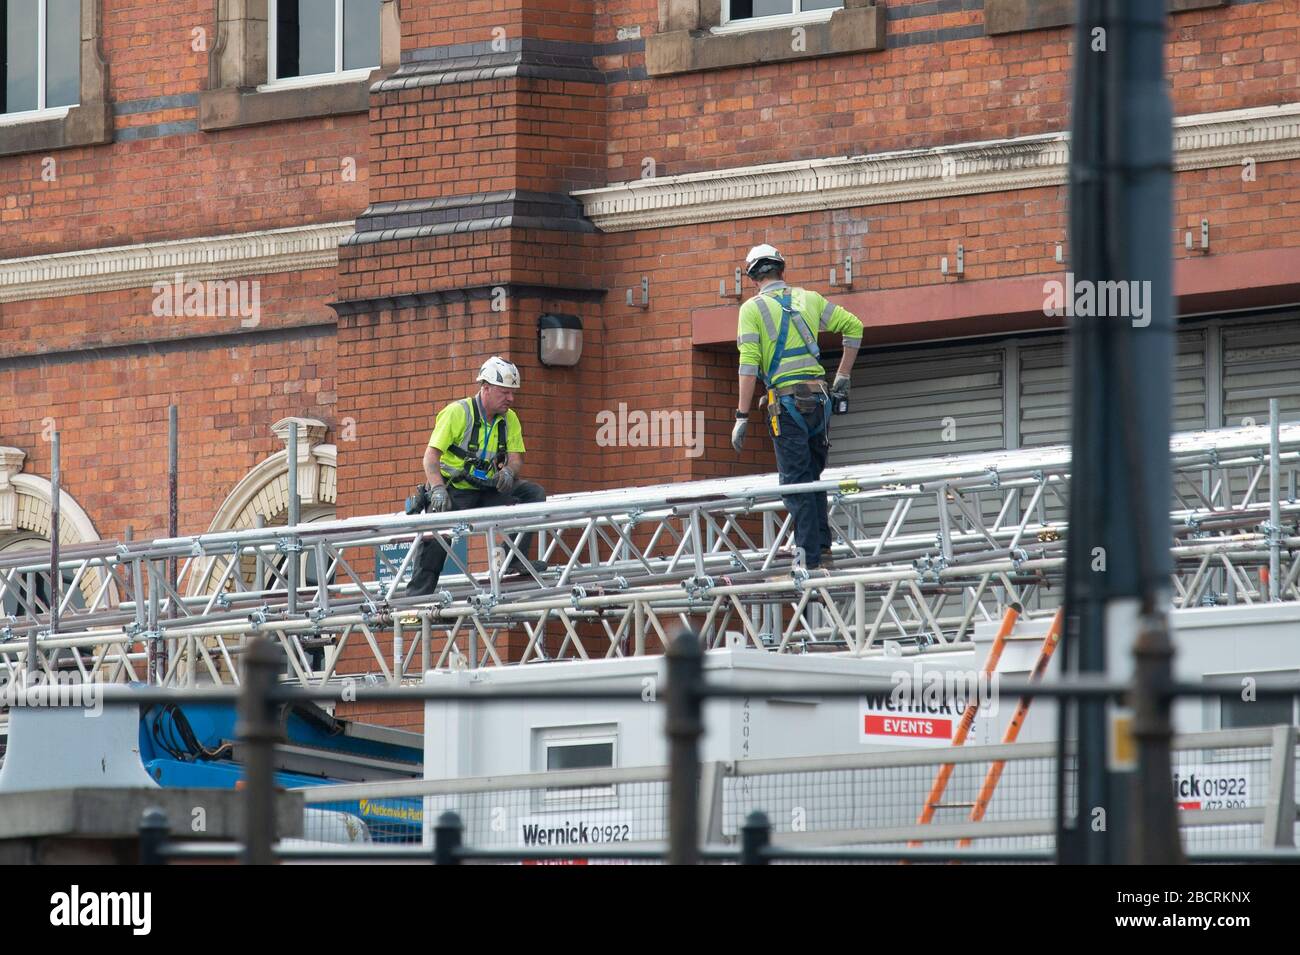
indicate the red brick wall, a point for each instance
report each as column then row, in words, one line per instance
column 191, row 184
column 111, row 414
column 905, row 97
column 925, row 95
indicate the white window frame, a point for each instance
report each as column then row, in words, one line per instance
column 581, row 797
column 40, row 112
column 339, row 75
column 792, row 19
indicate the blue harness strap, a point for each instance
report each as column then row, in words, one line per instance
column 787, row 402
column 779, row 351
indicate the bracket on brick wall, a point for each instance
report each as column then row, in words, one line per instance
column 848, row 274
column 1060, row 252
column 645, row 294
column 737, row 294
column 1205, row 238
column 960, row 269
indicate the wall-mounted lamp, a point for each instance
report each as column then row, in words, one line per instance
column 559, row 340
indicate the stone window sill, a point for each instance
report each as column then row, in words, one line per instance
column 855, row 30
column 86, row 125
column 231, row 107
column 1019, row 16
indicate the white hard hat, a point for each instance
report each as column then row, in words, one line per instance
column 761, row 253
column 498, row 371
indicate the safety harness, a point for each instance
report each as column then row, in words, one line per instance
column 797, row 397
column 475, row 469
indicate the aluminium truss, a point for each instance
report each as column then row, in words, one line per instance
column 926, row 550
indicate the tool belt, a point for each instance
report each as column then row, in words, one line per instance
column 806, row 395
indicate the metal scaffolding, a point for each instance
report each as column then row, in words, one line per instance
column 925, row 550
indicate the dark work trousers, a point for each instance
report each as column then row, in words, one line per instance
column 429, row 561
column 800, row 459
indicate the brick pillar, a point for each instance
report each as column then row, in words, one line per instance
column 476, row 142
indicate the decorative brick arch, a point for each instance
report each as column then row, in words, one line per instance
column 264, row 490
column 26, row 507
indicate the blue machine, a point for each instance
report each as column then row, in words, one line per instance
column 193, row 746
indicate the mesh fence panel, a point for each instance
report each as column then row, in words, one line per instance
column 629, row 815
column 840, row 807
column 1225, row 778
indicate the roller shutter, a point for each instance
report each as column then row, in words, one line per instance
column 908, row 404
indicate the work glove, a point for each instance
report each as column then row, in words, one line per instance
column 841, row 387
column 738, row 433
column 505, row 480
column 439, row 499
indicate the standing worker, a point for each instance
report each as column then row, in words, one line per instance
column 474, row 459
column 777, row 338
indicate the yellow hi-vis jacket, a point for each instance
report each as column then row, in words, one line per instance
column 801, row 314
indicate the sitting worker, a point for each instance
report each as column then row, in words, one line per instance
column 777, row 338
column 474, row 459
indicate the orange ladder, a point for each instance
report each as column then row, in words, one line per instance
column 932, row 801
column 1017, row 721
column 941, row 779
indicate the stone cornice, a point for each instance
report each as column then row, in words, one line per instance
column 1210, row 139
column 136, row 266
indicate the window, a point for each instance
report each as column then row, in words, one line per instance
column 560, row 756
column 699, row 35
column 579, row 747
column 305, row 39
column 735, row 11
column 290, row 59
column 32, row 588
column 24, row 591
column 1235, row 713
column 40, row 41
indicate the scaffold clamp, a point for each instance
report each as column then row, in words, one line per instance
column 697, row 586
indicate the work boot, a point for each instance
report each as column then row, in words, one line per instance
column 827, row 560
column 517, row 570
